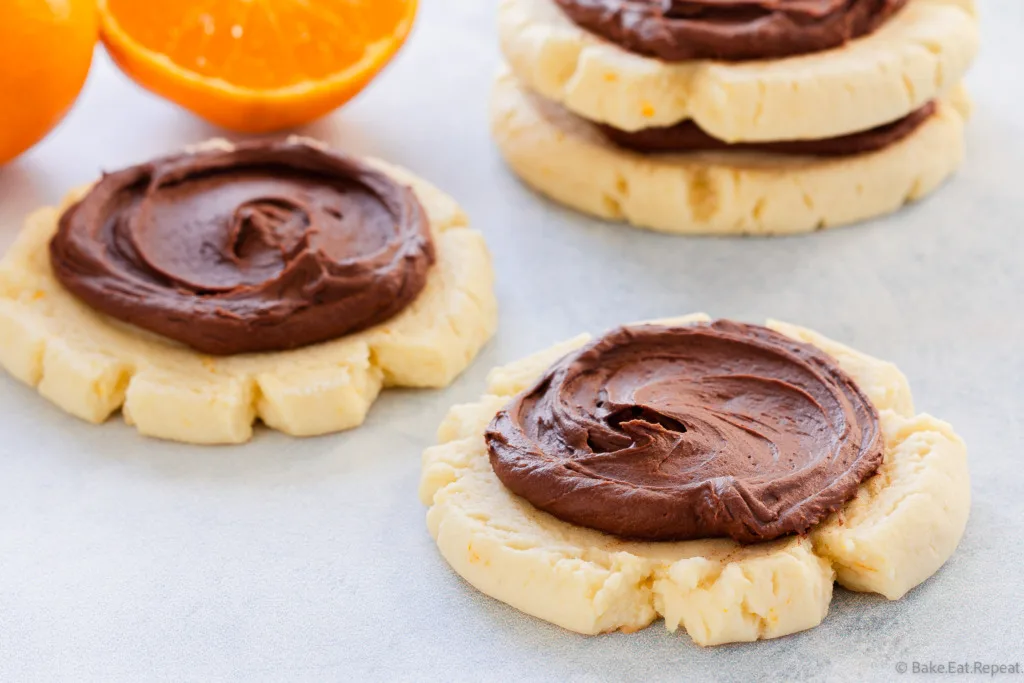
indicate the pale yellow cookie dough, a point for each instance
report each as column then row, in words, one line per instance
column 919, row 54
column 567, row 159
column 902, row 526
column 91, row 365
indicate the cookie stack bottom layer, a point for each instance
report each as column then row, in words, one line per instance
column 566, row 158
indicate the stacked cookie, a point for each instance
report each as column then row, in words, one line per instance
column 746, row 116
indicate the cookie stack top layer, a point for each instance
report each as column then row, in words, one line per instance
column 919, row 52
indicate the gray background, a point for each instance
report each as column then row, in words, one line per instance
column 125, row 559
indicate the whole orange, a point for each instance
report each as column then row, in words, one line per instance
column 46, row 49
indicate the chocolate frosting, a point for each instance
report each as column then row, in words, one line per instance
column 674, row 433
column 689, row 137
column 734, row 30
column 264, row 247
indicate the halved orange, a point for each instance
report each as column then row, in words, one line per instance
column 255, row 65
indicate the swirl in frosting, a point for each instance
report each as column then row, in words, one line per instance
column 733, row 30
column 261, row 247
column 675, row 433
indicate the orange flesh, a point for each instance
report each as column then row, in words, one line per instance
column 263, row 44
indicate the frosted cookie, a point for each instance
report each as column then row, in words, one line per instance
column 701, row 185
column 791, row 71
column 274, row 281
column 718, row 475
column 749, row 117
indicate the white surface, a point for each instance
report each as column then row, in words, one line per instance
column 123, row 559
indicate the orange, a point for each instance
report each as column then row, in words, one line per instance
column 255, row 65
column 46, row 48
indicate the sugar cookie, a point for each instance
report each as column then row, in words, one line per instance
column 904, row 522
column 916, row 56
column 91, row 364
column 567, row 159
